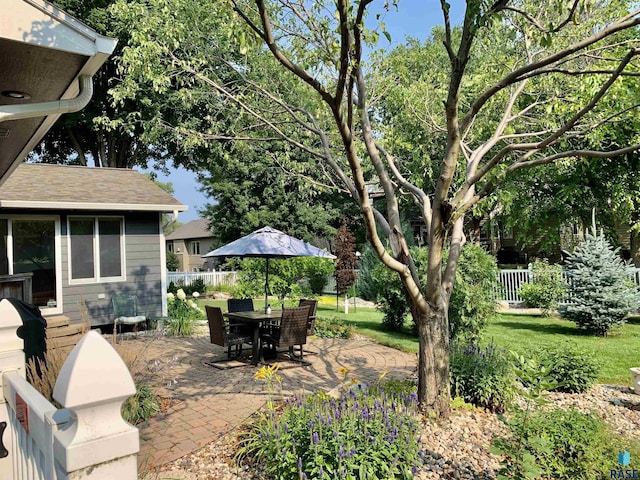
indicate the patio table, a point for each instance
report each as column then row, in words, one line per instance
column 255, row 318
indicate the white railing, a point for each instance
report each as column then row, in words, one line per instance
column 87, row 438
column 511, row 280
column 209, row 278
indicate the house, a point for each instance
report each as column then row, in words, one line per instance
column 189, row 242
column 86, row 234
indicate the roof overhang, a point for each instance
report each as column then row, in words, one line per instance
column 119, row 207
column 43, row 52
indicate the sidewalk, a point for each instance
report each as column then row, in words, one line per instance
column 208, row 402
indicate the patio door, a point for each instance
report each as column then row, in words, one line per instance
column 30, row 244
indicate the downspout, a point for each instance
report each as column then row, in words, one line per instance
column 43, row 109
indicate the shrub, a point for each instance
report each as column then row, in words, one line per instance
column 367, row 434
column 332, row 327
column 141, row 406
column 317, row 271
column 367, row 286
column 546, row 288
column 182, row 314
column 173, row 262
column 391, row 300
column 600, row 286
column 574, row 369
column 481, row 376
column 472, row 301
column 566, row 444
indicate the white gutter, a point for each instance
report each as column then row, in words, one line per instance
column 43, row 109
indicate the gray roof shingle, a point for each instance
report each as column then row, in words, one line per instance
column 193, row 229
column 39, row 185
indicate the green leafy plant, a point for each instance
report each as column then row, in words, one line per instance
column 546, row 288
column 472, row 302
column 141, row 406
column 482, row 376
column 518, row 460
column 183, row 313
column 369, row 433
column 573, row 368
column 600, row 286
column 317, row 271
column 332, row 327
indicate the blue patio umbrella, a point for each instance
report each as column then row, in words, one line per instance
column 268, row 243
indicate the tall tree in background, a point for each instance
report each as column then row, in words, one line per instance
column 253, row 190
column 513, row 117
column 102, row 134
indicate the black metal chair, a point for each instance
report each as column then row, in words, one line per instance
column 311, row 324
column 225, row 335
column 291, row 332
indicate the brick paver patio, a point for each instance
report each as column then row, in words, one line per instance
column 208, row 402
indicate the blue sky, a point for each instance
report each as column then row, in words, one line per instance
column 413, row 18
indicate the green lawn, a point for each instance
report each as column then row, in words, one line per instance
column 619, row 351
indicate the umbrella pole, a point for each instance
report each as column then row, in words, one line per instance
column 266, row 288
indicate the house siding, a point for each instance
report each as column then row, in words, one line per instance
column 142, row 267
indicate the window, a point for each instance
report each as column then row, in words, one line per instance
column 31, row 245
column 195, row 248
column 169, row 246
column 96, row 249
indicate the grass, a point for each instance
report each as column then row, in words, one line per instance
column 617, row 351
column 521, row 333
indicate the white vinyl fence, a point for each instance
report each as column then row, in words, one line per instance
column 511, row 280
column 209, row 278
column 86, row 439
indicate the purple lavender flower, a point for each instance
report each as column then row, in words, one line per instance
column 341, row 451
column 299, row 464
column 320, row 472
column 315, row 438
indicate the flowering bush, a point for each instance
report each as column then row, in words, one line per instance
column 182, row 313
column 368, row 433
column 482, row 376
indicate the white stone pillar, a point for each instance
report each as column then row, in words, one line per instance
column 98, row 443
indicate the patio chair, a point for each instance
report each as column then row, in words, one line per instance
column 125, row 310
column 311, row 324
column 225, row 335
column 240, row 305
column 291, row 332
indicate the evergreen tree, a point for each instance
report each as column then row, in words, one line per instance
column 600, row 286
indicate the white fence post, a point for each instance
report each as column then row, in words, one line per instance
column 98, row 444
column 11, row 359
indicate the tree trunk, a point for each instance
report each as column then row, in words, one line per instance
column 433, row 360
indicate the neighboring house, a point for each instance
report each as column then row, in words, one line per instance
column 189, row 242
column 86, row 234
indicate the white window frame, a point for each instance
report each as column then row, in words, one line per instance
column 193, row 248
column 170, row 246
column 57, row 310
column 96, row 250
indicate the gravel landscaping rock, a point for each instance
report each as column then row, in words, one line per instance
column 457, row 448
